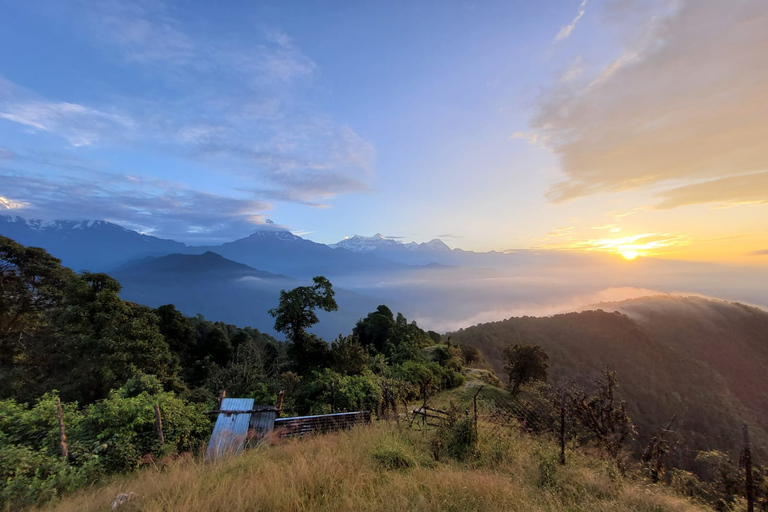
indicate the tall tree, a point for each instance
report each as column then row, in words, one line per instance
column 296, row 313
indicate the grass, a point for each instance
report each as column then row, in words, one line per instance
column 385, row 467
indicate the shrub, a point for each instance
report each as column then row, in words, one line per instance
column 461, row 439
column 393, row 457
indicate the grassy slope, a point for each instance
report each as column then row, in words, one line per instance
column 353, row 471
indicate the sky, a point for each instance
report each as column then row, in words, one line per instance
column 635, row 127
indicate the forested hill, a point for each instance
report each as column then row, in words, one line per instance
column 702, row 359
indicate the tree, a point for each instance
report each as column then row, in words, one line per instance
column 525, row 363
column 296, row 313
column 32, row 283
column 349, row 356
column 604, row 417
column 376, row 329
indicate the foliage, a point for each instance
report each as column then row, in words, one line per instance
column 525, row 363
column 461, row 441
column 699, row 358
column 111, row 361
column 107, row 437
column 383, row 333
column 349, row 356
column 296, row 313
column 471, row 355
column 603, row 416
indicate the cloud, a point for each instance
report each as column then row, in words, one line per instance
column 763, row 252
column 574, row 71
column 147, row 33
column 566, row 30
column 240, row 105
column 675, row 108
column 149, row 206
column 10, row 204
column 741, row 189
column 78, row 124
column 645, row 244
column 530, row 138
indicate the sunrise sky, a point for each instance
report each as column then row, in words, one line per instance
column 626, row 126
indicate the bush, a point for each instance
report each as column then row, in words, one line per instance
column 106, row 437
column 461, row 439
column 32, row 476
column 121, row 429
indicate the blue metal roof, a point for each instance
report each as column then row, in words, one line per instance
column 230, row 431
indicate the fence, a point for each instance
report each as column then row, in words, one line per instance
column 558, row 417
column 239, row 422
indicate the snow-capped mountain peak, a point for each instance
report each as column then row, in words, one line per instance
column 279, row 234
column 360, row 243
column 59, row 225
column 379, row 242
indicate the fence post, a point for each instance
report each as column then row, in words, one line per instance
column 333, row 397
column 474, row 407
column 159, row 425
column 62, row 435
column 280, row 396
column 562, row 430
column 750, row 484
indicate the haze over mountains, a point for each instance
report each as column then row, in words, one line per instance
column 701, row 359
column 442, row 288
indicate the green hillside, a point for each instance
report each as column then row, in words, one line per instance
column 700, row 359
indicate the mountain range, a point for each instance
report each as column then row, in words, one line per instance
column 702, row 358
column 442, row 288
column 86, row 245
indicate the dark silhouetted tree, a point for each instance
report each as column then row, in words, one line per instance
column 296, row 313
column 525, row 363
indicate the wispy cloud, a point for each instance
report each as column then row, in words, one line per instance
column 566, row 30
column 741, row 189
column 11, row 204
column 242, row 107
column 80, row 125
column 676, row 109
column 645, row 244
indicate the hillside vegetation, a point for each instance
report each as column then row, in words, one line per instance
column 113, row 363
column 700, row 359
column 386, row 467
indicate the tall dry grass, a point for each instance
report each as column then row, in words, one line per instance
column 388, row 468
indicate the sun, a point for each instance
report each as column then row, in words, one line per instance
column 630, row 255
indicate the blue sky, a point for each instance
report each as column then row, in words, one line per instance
column 612, row 125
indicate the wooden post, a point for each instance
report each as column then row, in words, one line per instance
column 474, row 408
column 562, row 430
column 222, row 396
column 333, row 397
column 750, row 484
column 280, row 396
column 159, row 425
column 62, row 435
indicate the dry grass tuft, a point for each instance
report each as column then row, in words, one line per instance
column 383, row 467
